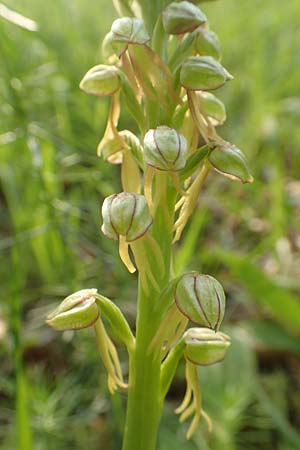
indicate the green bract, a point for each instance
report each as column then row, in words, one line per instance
column 231, row 162
column 101, row 80
column 212, row 107
column 125, row 214
column 201, row 299
column 207, row 43
column 165, row 149
column 182, row 17
column 203, row 73
column 77, row 311
column 204, row 346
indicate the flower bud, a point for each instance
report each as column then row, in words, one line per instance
column 212, row 107
column 230, row 162
column 182, row 17
column 77, row 311
column 207, row 43
column 204, row 346
column 125, row 214
column 130, row 30
column 201, row 299
column 203, row 73
column 165, row 149
column 101, row 80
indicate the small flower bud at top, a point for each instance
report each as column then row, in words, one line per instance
column 130, row 30
column 231, row 162
column 165, row 149
column 101, row 80
column 204, row 346
column 207, row 43
column 201, row 299
column 77, row 311
column 125, row 214
column 182, row 17
column 203, row 73
column 212, row 107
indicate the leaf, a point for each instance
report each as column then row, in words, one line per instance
column 193, row 162
column 17, row 18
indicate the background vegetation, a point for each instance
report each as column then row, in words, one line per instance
column 52, row 387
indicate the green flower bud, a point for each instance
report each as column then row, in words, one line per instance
column 130, row 30
column 201, row 299
column 204, row 346
column 203, row 73
column 125, row 214
column 112, row 47
column 182, row 17
column 165, row 149
column 101, row 80
column 207, row 43
column 213, row 108
column 230, row 162
column 77, row 311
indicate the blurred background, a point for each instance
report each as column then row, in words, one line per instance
column 53, row 391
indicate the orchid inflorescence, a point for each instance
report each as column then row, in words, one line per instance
column 164, row 76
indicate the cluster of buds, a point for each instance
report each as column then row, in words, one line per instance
column 165, row 79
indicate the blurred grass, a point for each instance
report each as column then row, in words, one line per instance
column 52, row 185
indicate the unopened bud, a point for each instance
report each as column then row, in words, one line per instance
column 165, row 149
column 204, row 346
column 212, row 107
column 207, row 43
column 231, row 162
column 101, row 80
column 203, row 73
column 125, row 214
column 130, row 30
column 201, row 299
column 182, row 17
column 77, row 311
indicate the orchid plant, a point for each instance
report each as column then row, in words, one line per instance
column 162, row 63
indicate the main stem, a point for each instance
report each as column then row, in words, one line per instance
column 144, row 406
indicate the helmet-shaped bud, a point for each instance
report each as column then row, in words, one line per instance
column 212, row 107
column 203, row 73
column 231, row 162
column 165, row 149
column 207, row 43
column 77, row 311
column 201, row 299
column 130, row 30
column 182, row 17
column 125, row 214
column 101, row 80
column 205, row 346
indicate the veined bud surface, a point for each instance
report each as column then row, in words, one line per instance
column 101, row 80
column 201, row 299
column 125, row 214
column 182, row 17
column 203, row 73
column 212, row 107
column 205, row 347
column 165, row 149
column 231, row 162
column 130, row 30
column 77, row 311
column 207, row 43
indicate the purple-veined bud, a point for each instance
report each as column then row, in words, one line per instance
column 203, row 73
column 204, row 346
column 231, row 162
column 101, row 80
column 182, row 17
column 77, row 311
column 165, row 149
column 201, row 299
column 126, row 214
column 207, row 43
